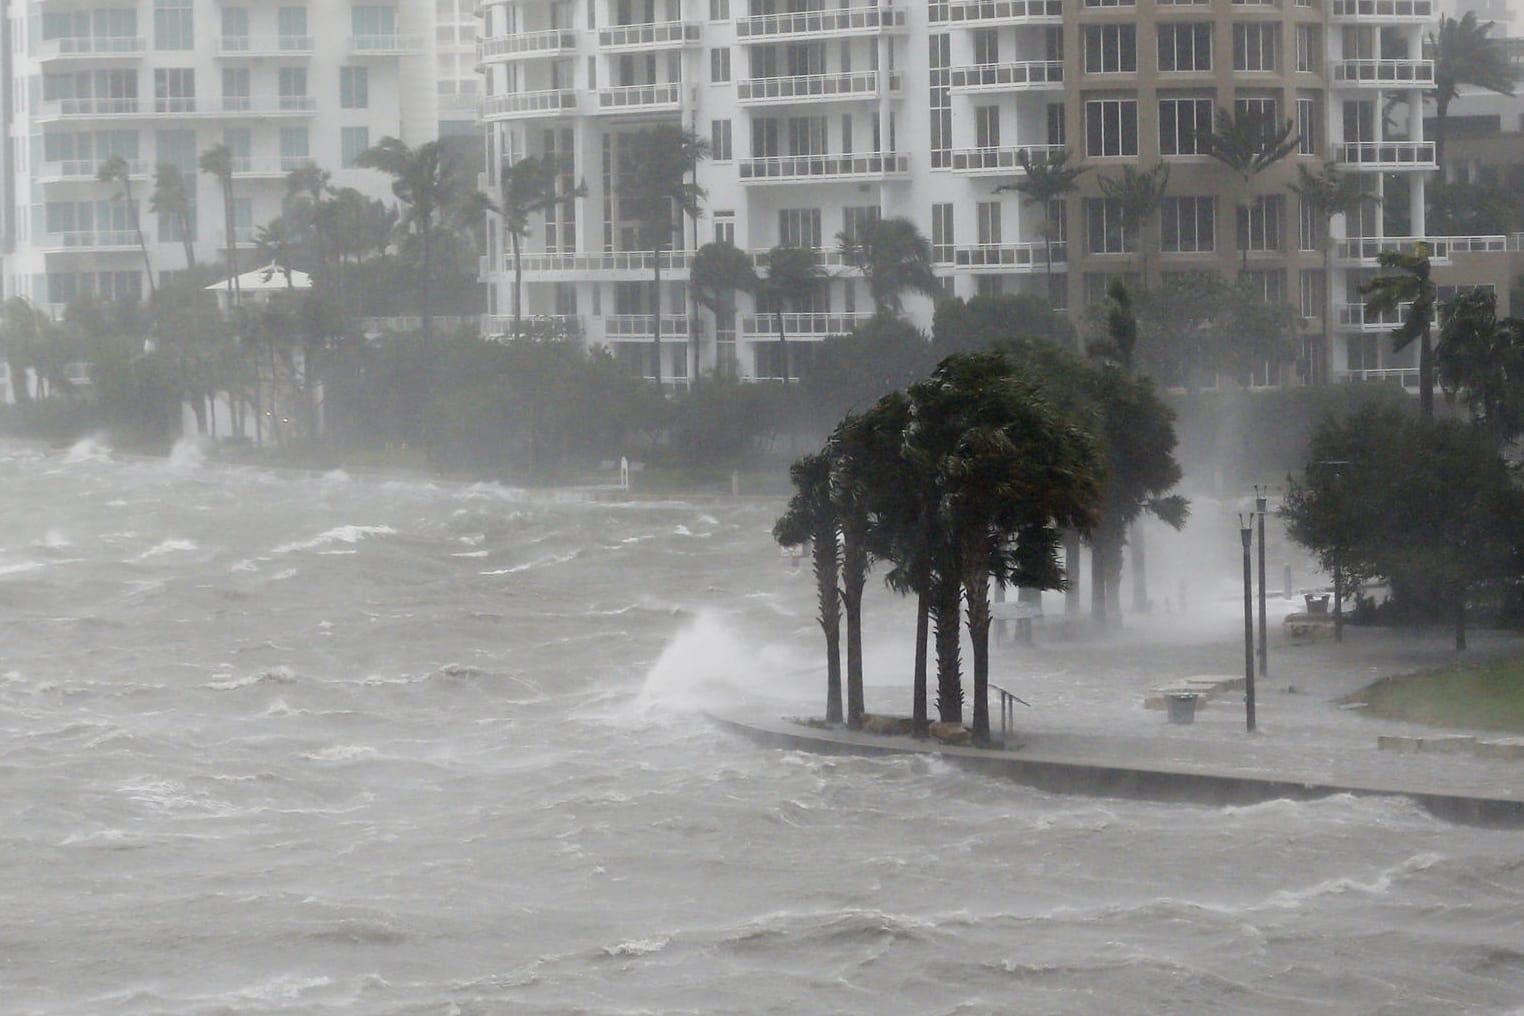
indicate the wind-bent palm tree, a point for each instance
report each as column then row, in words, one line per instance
column 895, row 258
column 719, row 271
column 811, row 518
column 172, row 199
column 1138, row 193
column 217, row 161
column 792, row 275
column 530, row 187
column 1047, row 181
column 1328, row 193
column 116, row 169
column 429, row 183
column 1409, row 281
column 1464, row 54
column 657, row 180
column 1247, row 144
column 1481, row 356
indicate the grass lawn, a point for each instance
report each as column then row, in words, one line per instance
column 1484, row 696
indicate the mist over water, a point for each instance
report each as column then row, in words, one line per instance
column 276, row 742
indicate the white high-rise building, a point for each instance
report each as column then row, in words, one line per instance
column 281, row 84
column 823, row 114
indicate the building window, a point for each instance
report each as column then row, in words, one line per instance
column 764, row 138
column 1254, row 45
column 1056, row 133
column 719, row 10
column 374, row 27
column 354, row 87
column 1263, row 110
column 1312, row 302
column 1186, row 46
column 807, row 135
column 174, row 90
column 235, row 29
column 1307, row 126
column 293, row 148
column 1309, row 229
column 1259, row 223
column 725, row 228
column 291, row 27
column 857, row 218
column 1103, row 227
column 1309, row 49
column 799, row 227
column 989, row 223
column 178, row 148
column 239, row 141
column 1181, row 124
column 293, row 88
column 987, row 126
column 1187, row 225
column 352, row 141
column 940, row 80
column 986, row 46
column 719, row 66
column 173, row 24
column 1269, row 285
column 1110, row 49
column 235, row 89
column 1111, row 127
column 720, row 140
column 942, row 233
column 1110, row 3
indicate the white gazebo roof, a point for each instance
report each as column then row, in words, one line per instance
column 269, row 279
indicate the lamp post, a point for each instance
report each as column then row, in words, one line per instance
column 1246, row 531
column 1264, row 642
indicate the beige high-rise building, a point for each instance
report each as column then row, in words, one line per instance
column 822, row 115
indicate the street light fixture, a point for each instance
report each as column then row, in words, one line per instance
column 1264, row 642
column 1246, row 531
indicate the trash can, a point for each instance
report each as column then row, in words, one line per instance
column 1316, row 603
column 1182, row 707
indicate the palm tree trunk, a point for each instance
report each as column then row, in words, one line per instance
column 782, row 344
column 825, row 564
column 137, row 228
column 656, row 312
column 1441, row 122
column 918, row 722
column 1426, row 375
column 1139, row 569
column 427, row 282
column 854, row 577
column 976, row 591
column 1098, row 579
column 518, row 287
column 944, row 611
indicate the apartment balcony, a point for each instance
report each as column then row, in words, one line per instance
column 90, row 47
column 1406, row 377
column 1386, row 156
column 526, row 46
column 88, row 241
column 823, row 168
column 995, row 13
column 616, row 266
column 663, row 97
column 1354, row 12
column 1020, row 76
column 552, row 102
column 1353, row 317
column 820, row 24
column 1362, row 251
column 254, row 47
column 1009, row 257
column 501, row 325
column 175, row 108
column 384, row 44
column 1383, row 73
column 647, row 36
column 271, row 168
column 82, row 171
column 851, row 86
column 640, row 326
column 801, row 325
column 1000, row 161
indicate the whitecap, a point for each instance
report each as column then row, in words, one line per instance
column 339, row 534
column 88, row 449
column 638, row 946
column 170, row 546
column 275, row 675
column 20, row 567
column 342, row 753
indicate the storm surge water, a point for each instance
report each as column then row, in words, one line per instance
column 275, row 742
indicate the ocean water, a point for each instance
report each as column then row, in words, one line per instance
column 278, row 742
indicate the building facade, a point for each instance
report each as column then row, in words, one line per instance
column 159, row 82
column 823, row 115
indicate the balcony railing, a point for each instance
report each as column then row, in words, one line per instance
column 1407, row 377
column 94, row 46
column 281, row 45
column 639, row 326
column 808, row 24
column 797, row 87
column 552, row 42
column 660, row 96
column 244, row 165
column 1355, row 316
column 82, row 169
column 177, row 106
column 1364, row 249
column 1000, row 160
column 787, row 168
column 1381, row 10
column 527, row 104
column 502, row 324
column 801, row 324
column 1022, row 74
column 1009, row 12
column 1015, row 257
column 1386, row 155
column 1383, row 73
column 648, row 36
column 384, row 44
column 615, row 261
column 88, row 238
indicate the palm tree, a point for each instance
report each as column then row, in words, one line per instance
column 1247, row 143
column 172, row 199
column 117, row 169
column 811, row 518
column 1328, row 193
column 429, row 183
column 1046, row 182
column 1411, row 283
column 530, row 187
column 1482, row 356
column 24, row 329
column 894, row 257
column 792, row 275
column 1464, row 54
column 657, row 179
column 218, row 162
column 1138, row 193
column 719, row 271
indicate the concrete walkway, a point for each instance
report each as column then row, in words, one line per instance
column 1088, row 730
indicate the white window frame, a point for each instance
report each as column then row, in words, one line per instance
column 1256, row 46
column 1110, row 48
column 1176, row 135
column 1104, row 230
column 1104, row 117
column 1185, row 47
column 1188, row 225
column 1259, row 224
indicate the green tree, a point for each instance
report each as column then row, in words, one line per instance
column 719, row 271
column 1047, row 182
column 983, row 322
column 1480, row 356
column 527, row 188
column 25, row 331
column 656, row 182
column 1464, row 53
column 895, row 258
column 848, row 372
column 1408, row 281
column 792, row 275
column 173, row 200
column 811, row 519
column 116, row 169
column 1138, row 194
column 1328, row 193
column 1247, row 143
column 217, row 161
column 1460, row 208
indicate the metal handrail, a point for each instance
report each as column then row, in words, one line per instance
column 1008, row 702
